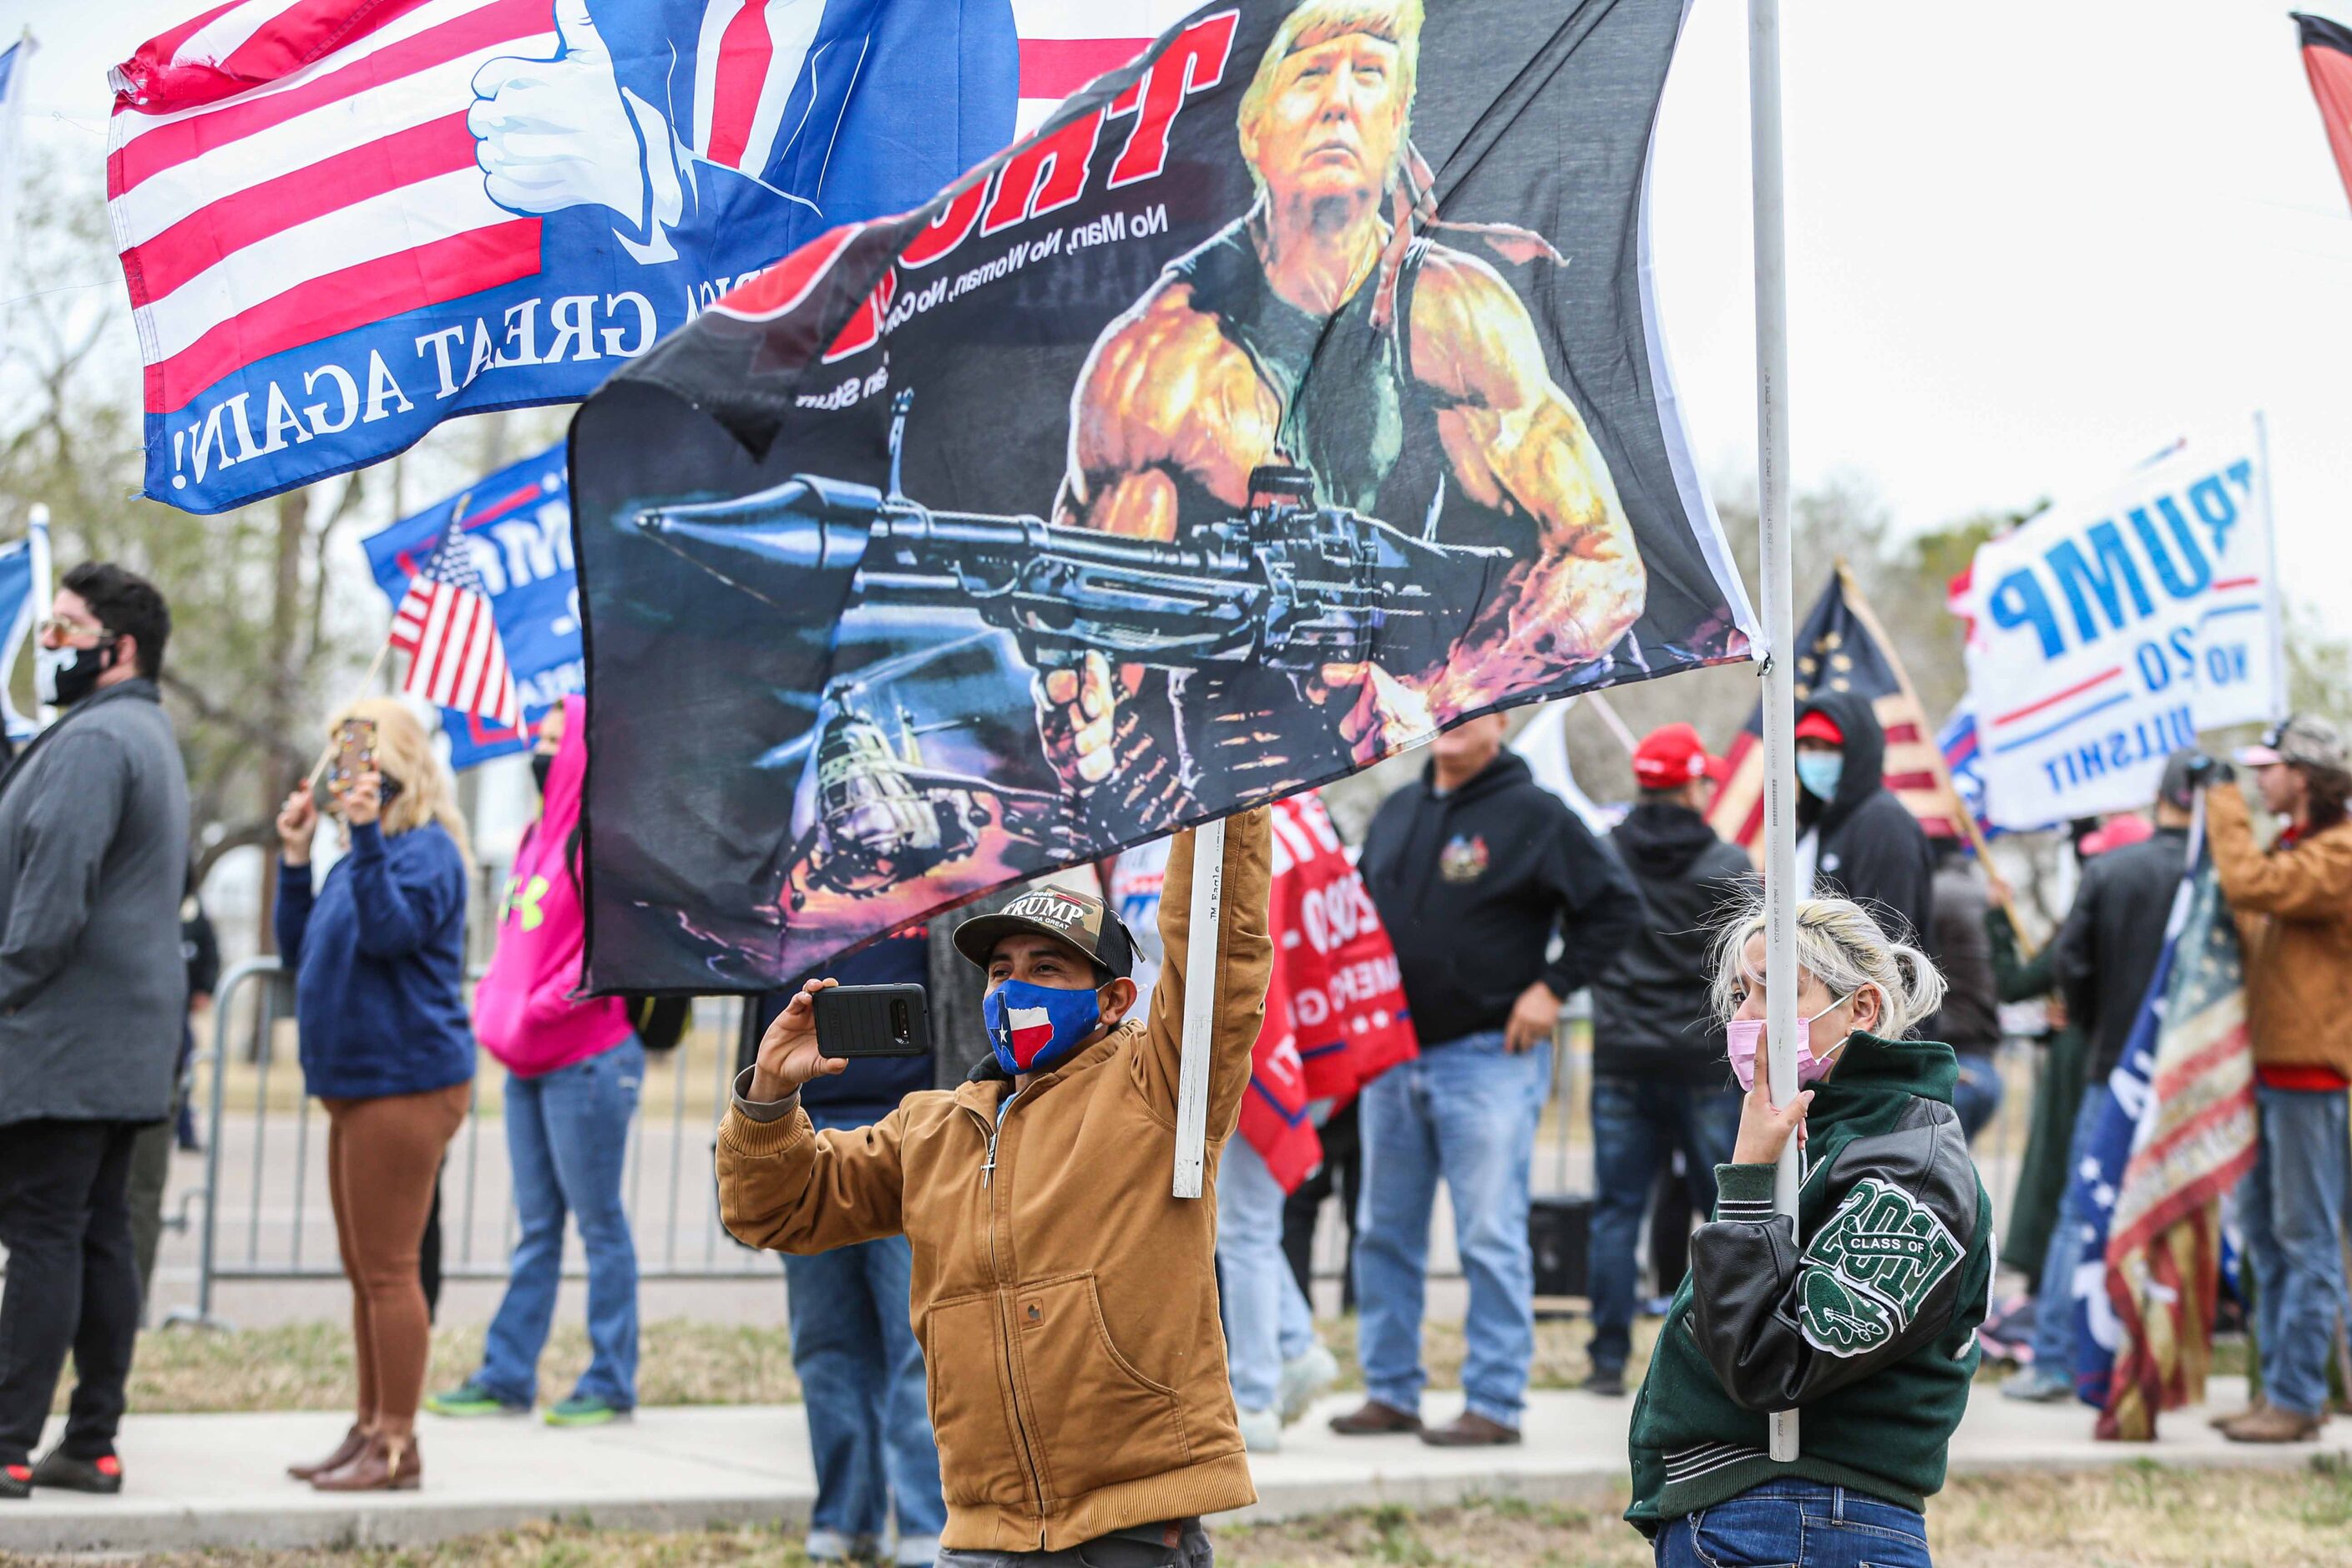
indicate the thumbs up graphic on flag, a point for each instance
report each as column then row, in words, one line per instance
column 551, row 134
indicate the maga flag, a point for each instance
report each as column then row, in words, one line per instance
column 1840, row 648
column 2327, row 60
column 2192, row 1138
column 342, row 221
column 1290, row 393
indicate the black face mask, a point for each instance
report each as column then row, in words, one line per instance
column 71, row 674
column 541, row 764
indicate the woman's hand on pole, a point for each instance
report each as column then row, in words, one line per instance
column 1764, row 1128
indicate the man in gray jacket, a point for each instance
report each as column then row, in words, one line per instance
column 93, row 855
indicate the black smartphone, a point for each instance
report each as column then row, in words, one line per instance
column 873, row 1021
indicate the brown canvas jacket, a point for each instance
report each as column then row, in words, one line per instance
column 1065, row 1303
column 2293, row 909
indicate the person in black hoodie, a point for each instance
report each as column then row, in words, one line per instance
column 1473, row 869
column 1859, row 841
column 1659, row 1079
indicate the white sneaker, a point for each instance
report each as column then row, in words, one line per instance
column 1261, row 1430
column 1304, row 1379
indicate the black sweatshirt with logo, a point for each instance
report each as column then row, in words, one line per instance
column 1472, row 885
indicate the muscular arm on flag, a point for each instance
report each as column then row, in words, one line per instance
column 1516, row 443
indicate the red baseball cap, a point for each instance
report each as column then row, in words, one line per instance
column 1818, row 726
column 1670, row 757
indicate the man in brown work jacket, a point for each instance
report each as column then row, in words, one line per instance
column 1065, row 1303
column 2294, row 908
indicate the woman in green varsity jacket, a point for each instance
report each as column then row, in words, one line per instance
column 1863, row 1317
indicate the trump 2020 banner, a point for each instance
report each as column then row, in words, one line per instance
column 2106, row 633
column 1292, row 393
column 518, row 528
column 342, row 221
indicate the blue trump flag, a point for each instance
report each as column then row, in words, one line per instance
column 347, row 224
column 517, row 523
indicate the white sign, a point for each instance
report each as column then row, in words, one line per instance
column 2105, row 634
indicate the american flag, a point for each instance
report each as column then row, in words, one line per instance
column 2180, row 1132
column 1841, row 648
column 445, row 625
column 285, row 170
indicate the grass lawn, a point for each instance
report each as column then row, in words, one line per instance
column 308, row 1366
column 2133, row 1517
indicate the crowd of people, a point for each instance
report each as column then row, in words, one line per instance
column 1015, row 1346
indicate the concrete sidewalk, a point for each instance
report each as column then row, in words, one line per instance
column 218, row 1480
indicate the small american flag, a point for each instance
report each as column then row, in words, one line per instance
column 446, row 627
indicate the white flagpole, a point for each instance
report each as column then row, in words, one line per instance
column 37, row 532
column 2274, row 591
column 1200, row 1006
column 1779, row 605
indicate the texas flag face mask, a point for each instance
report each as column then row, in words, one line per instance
column 1033, row 1027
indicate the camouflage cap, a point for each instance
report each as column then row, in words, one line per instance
column 1083, row 921
column 2301, row 738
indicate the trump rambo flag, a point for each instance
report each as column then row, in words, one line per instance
column 342, row 221
column 1292, row 392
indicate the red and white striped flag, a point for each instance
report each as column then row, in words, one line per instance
column 446, row 627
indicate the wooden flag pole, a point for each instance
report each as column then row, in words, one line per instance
column 1780, row 608
column 1200, row 1005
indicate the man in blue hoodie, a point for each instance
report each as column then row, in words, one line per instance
column 854, row 1350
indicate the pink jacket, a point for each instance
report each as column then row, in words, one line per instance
column 523, row 1010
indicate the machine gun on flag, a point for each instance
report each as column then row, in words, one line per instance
column 1287, row 585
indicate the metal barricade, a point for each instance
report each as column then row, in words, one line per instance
column 264, row 1190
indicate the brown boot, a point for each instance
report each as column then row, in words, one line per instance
column 2232, row 1417
column 1471, row 1430
column 2271, row 1425
column 1374, row 1419
column 345, row 1452
column 386, row 1465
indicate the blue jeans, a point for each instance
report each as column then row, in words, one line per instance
column 1267, row 1318
column 861, row 1371
column 2291, row 1212
column 1976, row 1093
column 567, row 1139
column 2053, row 1304
column 1637, row 1124
column 1466, row 1112
column 1797, row 1523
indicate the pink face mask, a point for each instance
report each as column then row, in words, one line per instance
column 1745, row 1035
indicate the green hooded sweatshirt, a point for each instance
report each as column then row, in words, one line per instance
column 1863, row 1317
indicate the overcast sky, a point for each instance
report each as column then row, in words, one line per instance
column 2029, row 244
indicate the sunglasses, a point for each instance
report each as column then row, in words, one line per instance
column 59, row 626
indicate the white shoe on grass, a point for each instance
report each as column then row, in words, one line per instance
column 1261, row 1430
column 1304, row 1380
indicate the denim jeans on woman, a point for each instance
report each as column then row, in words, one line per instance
column 1797, row 1523
column 567, row 1139
column 861, row 1371
column 1266, row 1315
column 1466, row 1111
column 2291, row 1211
